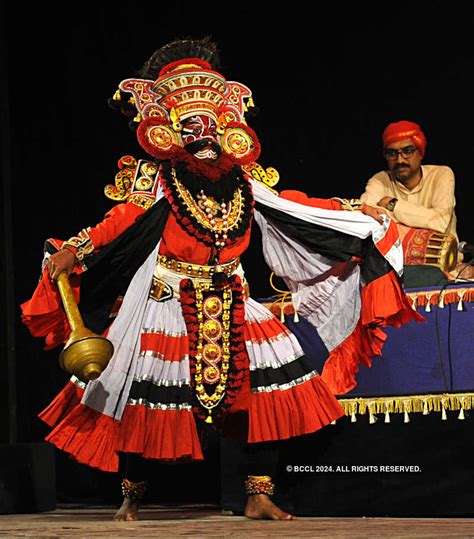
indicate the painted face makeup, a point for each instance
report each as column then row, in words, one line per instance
column 199, row 136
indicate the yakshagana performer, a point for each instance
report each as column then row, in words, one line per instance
column 161, row 277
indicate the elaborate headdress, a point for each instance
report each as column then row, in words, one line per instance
column 403, row 130
column 187, row 85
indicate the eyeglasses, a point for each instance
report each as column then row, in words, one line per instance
column 406, row 153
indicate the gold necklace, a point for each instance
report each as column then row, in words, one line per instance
column 206, row 211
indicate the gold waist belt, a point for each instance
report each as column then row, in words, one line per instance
column 196, row 270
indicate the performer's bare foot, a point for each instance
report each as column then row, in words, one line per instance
column 260, row 506
column 128, row 510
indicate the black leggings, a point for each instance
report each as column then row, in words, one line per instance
column 136, row 467
column 262, row 459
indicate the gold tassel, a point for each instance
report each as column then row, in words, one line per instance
column 426, row 409
column 414, row 300
column 282, row 314
column 387, row 416
column 209, row 418
column 353, row 418
column 461, row 413
column 441, row 301
column 138, row 118
column 443, row 413
column 406, row 408
column 428, row 303
column 372, row 417
column 460, row 305
column 117, row 96
column 296, row 317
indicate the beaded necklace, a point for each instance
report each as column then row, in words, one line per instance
column 216, row 223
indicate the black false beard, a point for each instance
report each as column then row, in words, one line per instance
column 212, row 171
column 221, row 190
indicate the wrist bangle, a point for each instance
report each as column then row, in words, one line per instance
column 390, row 206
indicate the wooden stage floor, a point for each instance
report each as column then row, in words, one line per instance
column 208, row 521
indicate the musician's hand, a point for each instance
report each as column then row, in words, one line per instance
column 61, row 261
column 384, row 201
column 375, row 213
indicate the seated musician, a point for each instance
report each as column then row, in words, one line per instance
column 416, row 196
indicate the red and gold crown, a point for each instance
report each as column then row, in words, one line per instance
column 191, row 88
column 185, row 88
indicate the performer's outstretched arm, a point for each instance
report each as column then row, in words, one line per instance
column 89, row 240
column 334, row 203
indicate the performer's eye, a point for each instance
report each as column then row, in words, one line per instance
column 196, row 130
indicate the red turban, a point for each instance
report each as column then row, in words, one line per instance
column 401, row 130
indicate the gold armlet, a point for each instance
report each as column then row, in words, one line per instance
column 141, row 200
column 82, row 244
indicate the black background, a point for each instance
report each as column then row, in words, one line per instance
column 326, row 82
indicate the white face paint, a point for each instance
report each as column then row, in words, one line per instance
column 201, row 128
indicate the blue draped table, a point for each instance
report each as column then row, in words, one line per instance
column 423, row 367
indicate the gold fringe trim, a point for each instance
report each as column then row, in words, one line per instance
column 436, row 297
column 282, row 305
column 406, row 405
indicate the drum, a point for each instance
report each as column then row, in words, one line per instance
column 428, row 247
